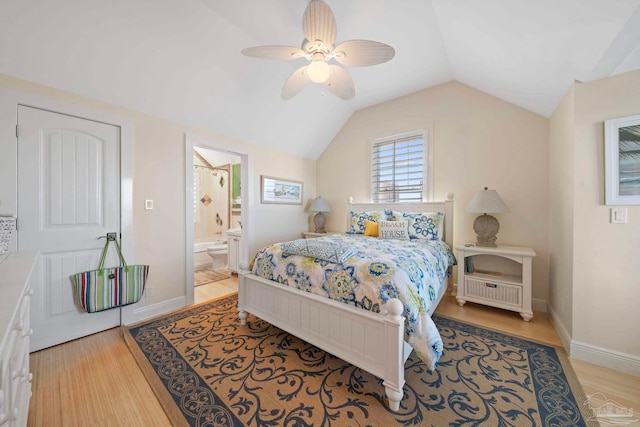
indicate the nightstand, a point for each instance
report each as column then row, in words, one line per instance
column 498, row 277
column 313, row 234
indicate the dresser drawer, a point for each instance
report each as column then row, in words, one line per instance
column 15, row 330
column 493, row 291
column 6, row 377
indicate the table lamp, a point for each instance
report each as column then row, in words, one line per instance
column 320, row 206
column 486, row 226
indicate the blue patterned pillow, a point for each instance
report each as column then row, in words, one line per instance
column 359, row 220
column 422, row 225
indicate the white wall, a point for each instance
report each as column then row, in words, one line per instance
column 561, row 213
column 479, row 141
column 606, row 286
column 593, row 261
column 159, row 174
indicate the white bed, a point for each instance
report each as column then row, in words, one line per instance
column 371, row 341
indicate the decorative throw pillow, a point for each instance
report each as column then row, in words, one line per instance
column 422, row 225
column 393, row 230
column 371, row 229
column 359, row 220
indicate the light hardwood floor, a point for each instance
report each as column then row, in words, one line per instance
column 215, row 289
column 94, row 381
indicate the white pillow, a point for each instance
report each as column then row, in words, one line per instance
column 393, row 230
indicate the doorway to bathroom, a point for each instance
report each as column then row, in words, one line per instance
column 216, row 218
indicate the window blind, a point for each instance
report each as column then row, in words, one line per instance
column 397, row 170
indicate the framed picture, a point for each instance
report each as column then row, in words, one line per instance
column 622, row 161
column 283, row 191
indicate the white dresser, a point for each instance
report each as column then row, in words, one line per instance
column 15, row 378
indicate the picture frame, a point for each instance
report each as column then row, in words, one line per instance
column 280, row 191
column 622, row 161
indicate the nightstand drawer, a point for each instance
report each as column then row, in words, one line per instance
column 493, row 291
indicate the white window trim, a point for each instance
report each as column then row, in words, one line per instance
column 427, row 137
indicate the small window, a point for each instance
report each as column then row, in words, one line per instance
column 399, row 168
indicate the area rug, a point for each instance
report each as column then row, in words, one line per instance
column 208, row 370
column 204, row 277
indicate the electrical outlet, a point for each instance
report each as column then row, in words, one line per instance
column 149, row 291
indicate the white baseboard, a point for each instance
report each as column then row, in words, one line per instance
column 622, row 362
column 149, row 311
column 561, row 330
column 618, row 361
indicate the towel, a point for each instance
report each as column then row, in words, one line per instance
column 334, row 252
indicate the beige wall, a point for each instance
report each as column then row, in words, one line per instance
column 159, row 174
column 561, row 213
column 592, row 269
column 479, row 141
column 279, row 223
column 606, row 285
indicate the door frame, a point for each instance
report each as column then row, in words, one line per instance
column 9, row 101
column 246, row 196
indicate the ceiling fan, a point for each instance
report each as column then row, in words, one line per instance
column 319, row 28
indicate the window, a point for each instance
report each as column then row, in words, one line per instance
column 399, row 166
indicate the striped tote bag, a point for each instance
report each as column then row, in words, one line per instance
column 110, row 287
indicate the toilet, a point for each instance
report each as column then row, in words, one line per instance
column 219, row 252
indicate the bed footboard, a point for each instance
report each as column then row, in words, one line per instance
column 373, row 342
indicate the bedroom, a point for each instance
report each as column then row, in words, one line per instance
column 547, row 167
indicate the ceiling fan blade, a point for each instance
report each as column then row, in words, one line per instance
column 318, row 23
column 295, row 83
column 362, row 53
column 283, row 53
column 340, row 83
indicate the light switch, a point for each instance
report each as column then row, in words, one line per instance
column 618, row 215
column 148, row 204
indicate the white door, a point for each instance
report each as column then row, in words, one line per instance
column 68, row 196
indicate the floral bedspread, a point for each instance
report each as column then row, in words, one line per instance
column 411, row 271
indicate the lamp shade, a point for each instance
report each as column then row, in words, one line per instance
column 319, row 205
column 487, row 201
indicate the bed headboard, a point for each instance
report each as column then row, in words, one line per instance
column 445, row 207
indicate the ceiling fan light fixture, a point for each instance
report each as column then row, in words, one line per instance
column 318, row 71
column 319, row 27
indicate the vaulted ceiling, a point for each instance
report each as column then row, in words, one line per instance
column 180, row 59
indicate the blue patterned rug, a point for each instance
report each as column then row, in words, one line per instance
column 208, row 370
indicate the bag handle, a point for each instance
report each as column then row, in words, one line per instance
column 110, row 237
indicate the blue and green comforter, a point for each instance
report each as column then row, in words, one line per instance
column 411, row 271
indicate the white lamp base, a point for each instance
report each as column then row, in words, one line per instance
column 486, row 228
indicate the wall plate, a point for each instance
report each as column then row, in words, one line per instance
column 618, row 215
